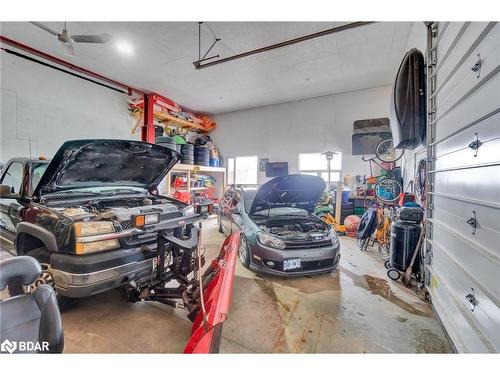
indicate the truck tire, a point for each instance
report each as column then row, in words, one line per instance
column 42, row 255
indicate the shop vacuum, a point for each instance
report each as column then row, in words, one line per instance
column 405, row 233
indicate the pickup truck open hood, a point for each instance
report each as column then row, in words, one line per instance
column 296, row 190
column 106, row 162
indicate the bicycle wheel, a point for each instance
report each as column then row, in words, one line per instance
column 386, row 152
column 388, row 190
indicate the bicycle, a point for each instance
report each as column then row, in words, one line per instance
column 387, row 189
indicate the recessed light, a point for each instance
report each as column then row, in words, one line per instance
column 124, row 47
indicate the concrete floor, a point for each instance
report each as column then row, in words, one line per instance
column 355, row 309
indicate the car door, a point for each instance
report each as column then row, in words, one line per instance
column 224, row 209
column 235, row 214
column 9, row 207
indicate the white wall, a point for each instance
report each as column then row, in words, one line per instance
column 52, row 107
column 280, row 132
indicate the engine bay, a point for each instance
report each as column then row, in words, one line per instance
column 119, row 209
column 304, row 229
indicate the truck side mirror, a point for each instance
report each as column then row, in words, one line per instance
column 8, row 192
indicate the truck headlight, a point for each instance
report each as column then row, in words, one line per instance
column 142, row 220
column 188, row 211
column 92, row 228
column 272, row 241
column 94, row 247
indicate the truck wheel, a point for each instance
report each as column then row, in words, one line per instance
column 42, row 255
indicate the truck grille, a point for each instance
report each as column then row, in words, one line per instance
column 147, row 237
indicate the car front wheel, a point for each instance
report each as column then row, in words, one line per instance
column 243, row 252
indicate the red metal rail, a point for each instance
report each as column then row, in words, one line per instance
column 205, row 338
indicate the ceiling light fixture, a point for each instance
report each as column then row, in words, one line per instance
column 124, row 47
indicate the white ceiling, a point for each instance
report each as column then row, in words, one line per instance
column 164, row 52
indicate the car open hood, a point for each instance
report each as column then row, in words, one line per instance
column 106, row 162
column 300, row 191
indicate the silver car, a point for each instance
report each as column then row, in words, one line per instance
column 280, row 235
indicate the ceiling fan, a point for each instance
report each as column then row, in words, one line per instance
column 67, row 40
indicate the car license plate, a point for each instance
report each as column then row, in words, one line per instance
column 291, row 264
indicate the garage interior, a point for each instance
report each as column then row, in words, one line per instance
column 260, row 102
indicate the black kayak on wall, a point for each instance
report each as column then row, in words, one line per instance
column 408, row 102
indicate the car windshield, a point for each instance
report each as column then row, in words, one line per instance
column 248, row 197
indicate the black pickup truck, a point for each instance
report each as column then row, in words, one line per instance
column 92, row 216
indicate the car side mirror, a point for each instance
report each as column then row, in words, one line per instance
column 7, row 191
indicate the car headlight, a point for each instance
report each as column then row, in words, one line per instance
column 94, row 247
column 92, row 228
column 268, row 240
column 333, row 236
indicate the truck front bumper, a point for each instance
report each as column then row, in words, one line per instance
column 76, row 285
column 85, row 275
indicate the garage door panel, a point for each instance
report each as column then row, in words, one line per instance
column 465, row 79
column 466, row 156
column 464, row 47
column 485, row 100
column 475, row 183
column 449, row 39
column 483, row 237
column 469, row 256
column 488, row 216
column 485, row 315
column 488, row 132
column 460, row 330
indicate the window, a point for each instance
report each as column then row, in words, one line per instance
column 37, row 173
column 317, row 165
column 14, row 176
column 242, row 170
column 230, row 171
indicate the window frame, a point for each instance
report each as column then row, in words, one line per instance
column 231, row 179
column 319, row 172
column 6, row 170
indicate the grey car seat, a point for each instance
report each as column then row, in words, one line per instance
column 32, row 317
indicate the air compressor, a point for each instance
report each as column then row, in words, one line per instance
column 405, row 234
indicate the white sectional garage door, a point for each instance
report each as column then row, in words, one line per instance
column 463, row 244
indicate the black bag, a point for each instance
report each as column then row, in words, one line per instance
column 408, row 102
column 367, row 224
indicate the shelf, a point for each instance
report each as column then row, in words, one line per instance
column 218, row 173
column 178, row 121
column 198, row 168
